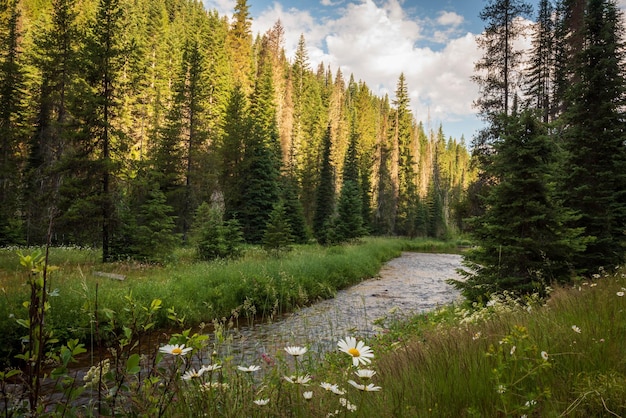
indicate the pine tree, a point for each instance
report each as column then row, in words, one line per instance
column 402, row 131
column 261, row 161
column 12, row 123
column 325, row 196
column 278, row 237
column 104, row 55
column 522, row 243
column 594, row 183
column 540, row 72
column 231, row 152
column 495, row 72
column 293, row 208
column 349, row 222
column 240, row 43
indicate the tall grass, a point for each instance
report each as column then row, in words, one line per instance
column 562, row 359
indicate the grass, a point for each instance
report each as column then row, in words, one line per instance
column 197, row 292
column 534, row 358
column 564, row 358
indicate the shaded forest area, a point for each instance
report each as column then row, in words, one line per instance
column 120, row 118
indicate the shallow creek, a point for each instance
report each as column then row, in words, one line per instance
column 410, row 284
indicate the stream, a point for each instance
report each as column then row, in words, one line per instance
column 410, row 284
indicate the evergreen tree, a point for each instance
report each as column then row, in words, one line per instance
column 540, row 72
column 496, row 71
column 349, row 222
column 594, row 183
column 278, row 237
column 104, row 57
column 213, row 237
column 523, row 243
column 231, row 151
column 325, row 196
column 240, row 43
column 261, row 161
column 12, row 123
column 402, row 131
column 154, row 238
column 293, row 209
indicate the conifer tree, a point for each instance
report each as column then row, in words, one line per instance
column 12, row 123
column 522, row 244
column 278, row 237
column 293, row 208
column 231, row 150
column 402, row 131
column 325, row 196
column 594, row 183
column 349, row 222
column 261, row 161
column 540, row 72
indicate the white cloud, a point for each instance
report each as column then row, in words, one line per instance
column 450, row 19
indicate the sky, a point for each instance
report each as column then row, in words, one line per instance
column 433, row 42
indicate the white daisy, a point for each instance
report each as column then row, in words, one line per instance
column 307, row 395
column 295, row 351
column 261, row 402
column 175, row 349
column 298, row 380
column 249, row 369
column 192, row 374
column 364, row 388
column 361, row 353
column 365, row 374
column 332, row 388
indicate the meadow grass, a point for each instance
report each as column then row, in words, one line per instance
column 559, row 357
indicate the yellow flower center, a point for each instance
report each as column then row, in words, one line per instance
column 354, row 352
column 177, row 351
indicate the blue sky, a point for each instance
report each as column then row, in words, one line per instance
column 431, row 42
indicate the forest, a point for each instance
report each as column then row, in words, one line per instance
column 131, row 125
column 551, row 187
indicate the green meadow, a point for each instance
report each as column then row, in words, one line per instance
column 563, row 356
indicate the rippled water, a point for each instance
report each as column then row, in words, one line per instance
column 412, row 283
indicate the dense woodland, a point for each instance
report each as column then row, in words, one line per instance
column 124, row 122
column 551, row 189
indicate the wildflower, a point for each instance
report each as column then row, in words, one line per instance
column 346, row 404
column 360, row 352
column 332, row 388
column 307, row 395
column 267, row 359
column 365, row 374
column 530, row 403
column 364, row 388
column 192, row 374
column 620, row 294
column 261, row 402
column 298, row 380
column 476, row 336
column 210, row 368
column 544, row 355
column 175, row 349
column 249, row 369
column 575, row 329
column 513, row 350
column 295, row 351
column 501, row 389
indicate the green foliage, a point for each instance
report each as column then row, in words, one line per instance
column 278, row 237
column 325, row 193
column 522, row 243
column 215, row 238
column 594, row 176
